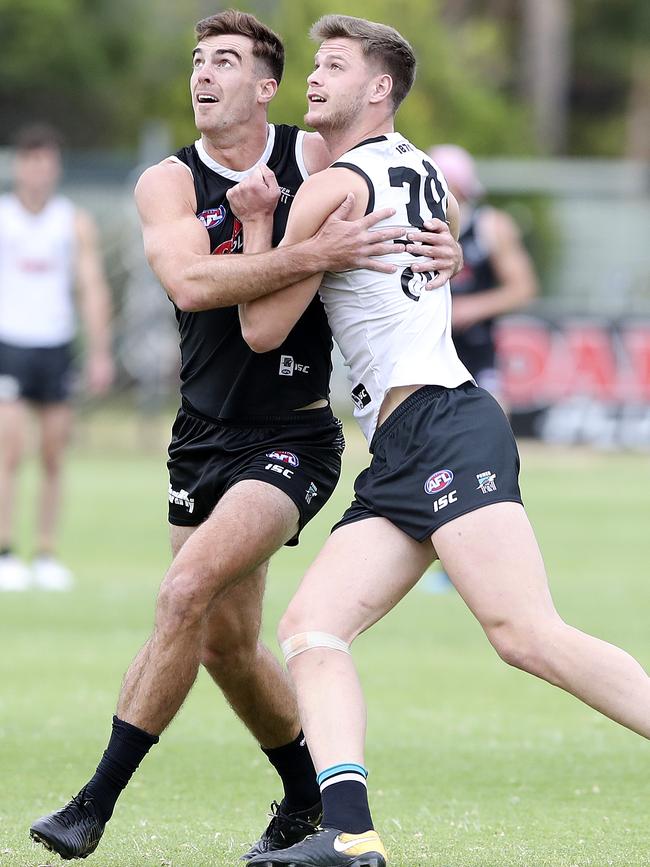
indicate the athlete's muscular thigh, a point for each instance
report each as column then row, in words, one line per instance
column 250, row 522
column 178, row 536
column 360, row 574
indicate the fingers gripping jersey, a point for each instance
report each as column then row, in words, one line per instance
column 390, row 330
column 221, row 377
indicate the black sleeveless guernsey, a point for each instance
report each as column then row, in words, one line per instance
column 221, row 377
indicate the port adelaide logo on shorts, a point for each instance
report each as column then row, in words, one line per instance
column 212, row 217
column 438, row 481
column 486, row 483
column 284, row 458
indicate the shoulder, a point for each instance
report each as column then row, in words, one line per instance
column 331, row 186
column 315, row 152
column 318, row 197
column 496, row 227
column 168, row 180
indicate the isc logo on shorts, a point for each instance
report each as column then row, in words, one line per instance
column 445, row 500
column 438, row 481
column 284, row 457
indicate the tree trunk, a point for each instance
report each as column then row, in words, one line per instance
column 545, row 69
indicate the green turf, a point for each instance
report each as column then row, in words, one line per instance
column 472, row 764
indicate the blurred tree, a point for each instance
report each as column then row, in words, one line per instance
column 610, row 97
column 100, row 69
column 460, row 93
column 599, row 48
column 93, row 68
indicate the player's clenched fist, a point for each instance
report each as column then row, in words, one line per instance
column 255, row 197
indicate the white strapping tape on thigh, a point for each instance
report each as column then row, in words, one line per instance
column 296, row 644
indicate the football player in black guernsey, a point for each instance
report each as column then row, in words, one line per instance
column 255, row 449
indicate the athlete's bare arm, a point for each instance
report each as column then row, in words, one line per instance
column 94, row 305
column 513, row 268
column 178, row 250
column 267, row 321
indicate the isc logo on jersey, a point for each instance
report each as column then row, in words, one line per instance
column 438, row 481
column 284, row 457
column 212, row 217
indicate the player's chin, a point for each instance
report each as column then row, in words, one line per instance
column 314, row 118
column 204, row 124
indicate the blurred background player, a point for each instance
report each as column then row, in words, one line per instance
column 498, row 275
column 47, row 248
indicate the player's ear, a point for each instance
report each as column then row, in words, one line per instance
column 382, row 86
column 267, row 88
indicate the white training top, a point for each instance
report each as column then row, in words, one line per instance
column 37, row 269
column 390, row 331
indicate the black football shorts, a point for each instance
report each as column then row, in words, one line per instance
column 442, row 453
column 37, row 374
column 297, row 452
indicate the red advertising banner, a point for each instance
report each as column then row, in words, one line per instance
column 571, row 380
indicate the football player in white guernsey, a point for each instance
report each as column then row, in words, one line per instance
column 50, row 269
column 443, row 477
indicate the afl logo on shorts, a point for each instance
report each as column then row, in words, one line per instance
column 212, row 217
column 437, row 482
column 284, row 458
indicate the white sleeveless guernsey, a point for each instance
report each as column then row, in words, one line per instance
column 390, row 331
column 37, row 269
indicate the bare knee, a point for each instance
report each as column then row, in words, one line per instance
column 529, row 647
column 182, row 600
column 52, row 464
column 293, row 622
column 231, row 649
column 11, row 457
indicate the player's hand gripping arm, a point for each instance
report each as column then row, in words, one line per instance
column 267, row 321
column 178, row 249
column 439, row 241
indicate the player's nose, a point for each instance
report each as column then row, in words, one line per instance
column 204, row 76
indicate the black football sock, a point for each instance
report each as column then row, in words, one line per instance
column 127, row 747
column 296, row 769
column 345, row 798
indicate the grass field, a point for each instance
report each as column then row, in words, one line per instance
column 472, row 764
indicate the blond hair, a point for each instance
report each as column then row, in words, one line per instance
column 380, row 44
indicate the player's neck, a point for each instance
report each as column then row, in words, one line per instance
column 33, row 201
column 238, row 148
column 339, row 141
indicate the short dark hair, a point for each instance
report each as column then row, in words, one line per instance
column 267, row 45
column 37, row 136
column 381, row 44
